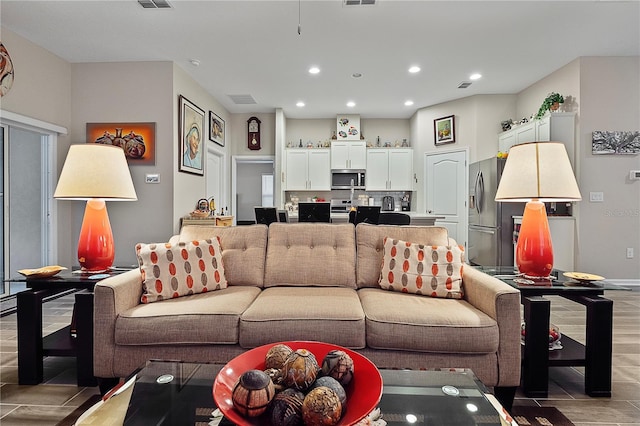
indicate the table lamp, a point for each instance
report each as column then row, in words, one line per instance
column 534, row 173
column 96, row 173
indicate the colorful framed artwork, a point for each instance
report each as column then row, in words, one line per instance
column 138, row 140
column 444, row 130
column 191, row 124
column 216, row 128
column 348, row 127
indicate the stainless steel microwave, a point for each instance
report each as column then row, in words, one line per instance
column 347, row 179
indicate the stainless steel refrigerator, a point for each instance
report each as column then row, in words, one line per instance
column 490, row 223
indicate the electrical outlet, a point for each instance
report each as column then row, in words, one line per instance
column 596, row 197
column 629, row 252
column 152, row 178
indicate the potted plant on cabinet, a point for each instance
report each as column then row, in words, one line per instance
column 551, row 103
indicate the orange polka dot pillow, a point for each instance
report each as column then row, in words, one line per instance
column 434, row 271
column 174, row 270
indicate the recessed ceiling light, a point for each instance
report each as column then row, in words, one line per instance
column 356, row 75
column 300, row 104
column 414, row 69
column 351, row 104
column 314, row 70
column 475, row 76
column 408, row 103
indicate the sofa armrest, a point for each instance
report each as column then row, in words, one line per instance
column 502, row 303
column 111, row 297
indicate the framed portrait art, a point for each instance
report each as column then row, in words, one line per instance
column 138, row 140
column 216, row 128
column 191, row 125
column 444, row 130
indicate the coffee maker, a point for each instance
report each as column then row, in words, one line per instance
column 388, row 204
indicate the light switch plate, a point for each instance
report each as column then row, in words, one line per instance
column 152, row 178
column 596, row 197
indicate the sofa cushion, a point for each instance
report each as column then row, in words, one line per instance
column 244, row 250
column 206, row 318
column 409, row 322
column 370, row 246
column 434, row 271
column 311, row 254
column 170, row 271
column 327, row 314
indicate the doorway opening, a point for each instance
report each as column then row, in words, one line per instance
column 252, row 185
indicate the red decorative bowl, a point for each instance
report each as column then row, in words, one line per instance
column 363, row 393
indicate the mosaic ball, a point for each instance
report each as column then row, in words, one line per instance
column 300, row 370
column 339, row 365
column 334, row 385
column 277, row 355
column 252, row 393
column 321, row 406
column 286, row 408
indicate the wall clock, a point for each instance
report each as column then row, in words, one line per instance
column 253, row 134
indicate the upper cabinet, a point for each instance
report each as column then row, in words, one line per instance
column 389, row 169
column 308, row 169
column 349, row 155
column 557, row 126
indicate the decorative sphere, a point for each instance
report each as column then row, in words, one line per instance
column 300, row 370
column 339, row 365
column 277, row 355
column 321, row 406
column 334, row 385
column 252, row 393
column 286, row 408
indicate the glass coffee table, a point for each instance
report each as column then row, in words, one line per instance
column 179, row 393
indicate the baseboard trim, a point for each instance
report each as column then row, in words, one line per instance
column 625, row 282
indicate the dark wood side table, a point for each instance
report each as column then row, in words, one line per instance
column 33, row 347
column 594, row 355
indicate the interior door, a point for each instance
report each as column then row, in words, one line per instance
column 446, row 189
column 215, row 178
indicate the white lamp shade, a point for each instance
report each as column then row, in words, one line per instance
column 538, row 170
column 95, row 171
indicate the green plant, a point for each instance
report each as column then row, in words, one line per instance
column 551, row 99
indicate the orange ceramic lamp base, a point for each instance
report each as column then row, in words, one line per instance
column 96, row 250
column 534, row 252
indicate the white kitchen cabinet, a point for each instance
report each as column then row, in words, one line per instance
column 308, row 169
column 525, row 133
column 389, row 169
column 349, row 155
column 506, row 140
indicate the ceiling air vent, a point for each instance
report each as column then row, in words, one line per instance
column 359, row 2
column 154, row 4
column 464, row 85
column 242, row 99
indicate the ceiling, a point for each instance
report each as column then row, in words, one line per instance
column 253, row 47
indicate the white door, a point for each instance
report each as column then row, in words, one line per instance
column 446, row 191
column 215, row 178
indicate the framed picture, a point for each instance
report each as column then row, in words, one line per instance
column 191, row 125
column 444, row 130
column 138, row 140
column 216, row 128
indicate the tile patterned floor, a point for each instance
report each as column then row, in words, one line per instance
column 48, row 403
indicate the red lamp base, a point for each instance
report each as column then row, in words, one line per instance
column 534, row 252
column 96, row 250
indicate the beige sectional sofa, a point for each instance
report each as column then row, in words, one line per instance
column 312, row 281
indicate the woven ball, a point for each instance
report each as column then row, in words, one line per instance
column 286, row 408
column 300, row 370
column 277, row 355
column 339, row 365
column 321, row 406
column 334, row 385
column 252, row 393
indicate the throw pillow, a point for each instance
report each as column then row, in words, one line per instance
column 434, row 271
column 174, row 270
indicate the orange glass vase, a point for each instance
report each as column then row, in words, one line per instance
column 96, row 250
column 534, row 251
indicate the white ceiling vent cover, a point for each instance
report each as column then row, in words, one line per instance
column 242, row 99
column 464, row 85
column 359, row 2
column 155, row 4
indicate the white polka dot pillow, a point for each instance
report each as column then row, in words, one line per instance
column 174, row 270
column 434, row 271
